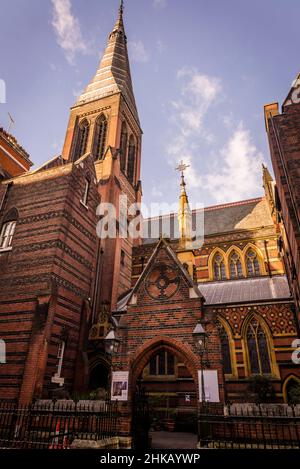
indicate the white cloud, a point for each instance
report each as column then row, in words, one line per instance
column 138, row 52
column 198, row 93
column 67, row 30
column 238, row 175
column 234, row 169
column 160, row 3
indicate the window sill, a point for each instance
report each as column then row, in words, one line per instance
column 6, row 249
column 84, row 205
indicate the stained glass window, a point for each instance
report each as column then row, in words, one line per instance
column 258, row 349
column 235, row 266
column 219, row 267
column 225, row 348
column 252, row 262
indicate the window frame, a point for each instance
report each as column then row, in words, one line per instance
column 86, row 192
column 7, row 233
column 60, row 356
column 157, row 357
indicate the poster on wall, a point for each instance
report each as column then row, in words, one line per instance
column 119, row 386
column 211, row 385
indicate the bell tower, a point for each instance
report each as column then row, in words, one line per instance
column 104, row 122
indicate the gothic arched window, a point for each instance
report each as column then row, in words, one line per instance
column 123, row 146
column 259, row 359
column 219, row 267
column 100, row 137
column 82, row 136
column 225, row 348
column 252, row 263
column 131, row 159
column 235, row 265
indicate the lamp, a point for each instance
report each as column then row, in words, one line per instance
column 200, row 337
column 111, row 342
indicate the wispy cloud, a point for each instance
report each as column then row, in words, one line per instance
column 198, row 93
column 138, row 52
column 67, row 29
column 234, row 171
column 238, row 176
column 160, row 3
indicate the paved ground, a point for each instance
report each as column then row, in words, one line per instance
column 173, row 440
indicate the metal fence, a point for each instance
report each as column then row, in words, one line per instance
column 54, row 425
column 256, row 427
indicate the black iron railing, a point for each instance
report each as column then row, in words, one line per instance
column 254, row 427
column 55, row 425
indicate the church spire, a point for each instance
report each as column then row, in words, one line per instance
column 184, row 212
column 113, row 75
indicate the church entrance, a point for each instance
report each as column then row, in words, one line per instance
column 99, row 380
column 171, row 392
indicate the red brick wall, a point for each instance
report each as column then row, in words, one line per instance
column 284, row 141
column 53, row 257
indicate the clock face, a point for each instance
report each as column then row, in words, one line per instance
column 162, row 282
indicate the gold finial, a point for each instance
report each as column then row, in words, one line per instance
column 182, row 167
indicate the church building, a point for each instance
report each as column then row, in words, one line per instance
column 67, row 293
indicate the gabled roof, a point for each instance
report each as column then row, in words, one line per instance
column 113, row 74
column 246, row 290
column 226, row 218
column 161, row 243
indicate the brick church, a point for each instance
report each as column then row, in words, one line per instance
column 65, row 290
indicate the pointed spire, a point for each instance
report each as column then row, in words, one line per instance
column 119, row 23
column 184, row 212
column 113, row 74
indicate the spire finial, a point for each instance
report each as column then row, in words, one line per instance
column 184, row 213
column 181, row 168
column 121, row 8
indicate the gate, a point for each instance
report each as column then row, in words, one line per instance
column 140, row 419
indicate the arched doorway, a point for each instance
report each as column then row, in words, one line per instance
column 171, row 390
column 99, row 377
column 168, row 377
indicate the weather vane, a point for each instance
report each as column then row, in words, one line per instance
column 182, row 167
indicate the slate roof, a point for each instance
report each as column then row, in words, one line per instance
column 237, row 216
column 244, row 290
column 113, row 74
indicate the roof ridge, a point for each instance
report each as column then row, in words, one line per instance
column 233, row 204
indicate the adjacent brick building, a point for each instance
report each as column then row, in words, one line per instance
column 283, row 130
column 46, row 277
column 14, row 160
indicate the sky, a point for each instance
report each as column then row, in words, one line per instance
column 202, row 72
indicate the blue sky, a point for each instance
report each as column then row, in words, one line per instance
column 202, row 71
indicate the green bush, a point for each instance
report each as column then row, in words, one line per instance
column 261, row 389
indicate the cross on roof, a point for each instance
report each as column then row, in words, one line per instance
column 182, row 167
